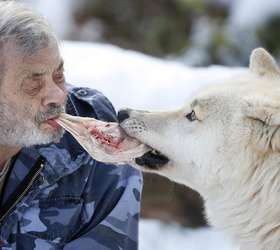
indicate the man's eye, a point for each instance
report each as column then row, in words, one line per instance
column 59, row 78
column 191, row 116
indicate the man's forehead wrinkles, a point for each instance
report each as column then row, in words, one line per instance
column 46, row 57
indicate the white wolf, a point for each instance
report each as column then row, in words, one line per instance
column 224, row 143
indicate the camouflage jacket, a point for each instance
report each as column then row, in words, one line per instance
column 74, row 202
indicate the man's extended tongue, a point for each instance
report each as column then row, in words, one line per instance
column 53, row 123
column 92, row 133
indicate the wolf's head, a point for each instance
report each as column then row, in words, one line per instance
column 220, row 134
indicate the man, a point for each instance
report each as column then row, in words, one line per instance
column 53, row 195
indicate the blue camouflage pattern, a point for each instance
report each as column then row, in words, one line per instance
column 76, row 202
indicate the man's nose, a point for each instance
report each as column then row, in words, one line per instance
column 55, row 95
column 123, row 114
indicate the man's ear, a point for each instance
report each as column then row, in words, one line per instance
column 263, row 64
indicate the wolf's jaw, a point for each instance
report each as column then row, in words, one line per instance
column 152, row 160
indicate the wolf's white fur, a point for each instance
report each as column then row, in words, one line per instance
column 230, row 154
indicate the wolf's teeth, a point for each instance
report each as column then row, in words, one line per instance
column 154, row 151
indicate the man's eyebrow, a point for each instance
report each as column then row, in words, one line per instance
column 38, row 74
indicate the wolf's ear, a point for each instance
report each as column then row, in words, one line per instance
column 267, row 113
column 266, row 116
column 263, row 64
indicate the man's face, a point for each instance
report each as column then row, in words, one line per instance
column 32, row 92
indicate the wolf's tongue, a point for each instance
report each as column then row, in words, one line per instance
column 105, row 138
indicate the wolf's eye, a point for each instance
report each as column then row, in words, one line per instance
column 191, row 116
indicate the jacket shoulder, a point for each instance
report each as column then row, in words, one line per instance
column 83, row 101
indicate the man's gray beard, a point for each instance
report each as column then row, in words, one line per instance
column 17, row 128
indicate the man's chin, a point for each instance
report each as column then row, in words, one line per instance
column 55, row 136
column 50, row 134
column 58, row 136
column 38, row 137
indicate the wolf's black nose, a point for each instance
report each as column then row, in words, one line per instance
column 123, row 115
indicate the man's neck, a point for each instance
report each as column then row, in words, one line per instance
column 6, row 153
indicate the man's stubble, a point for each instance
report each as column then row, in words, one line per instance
column 19, row 127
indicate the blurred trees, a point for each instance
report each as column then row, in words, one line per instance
column 269, row 35
column 198, row 32
column 158, row 27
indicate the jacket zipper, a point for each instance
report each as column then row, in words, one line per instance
column 22, row 193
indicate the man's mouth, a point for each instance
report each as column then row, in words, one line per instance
column 52, row 122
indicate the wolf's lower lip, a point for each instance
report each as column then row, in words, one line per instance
column 152, row 160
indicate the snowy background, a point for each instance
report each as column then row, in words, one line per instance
column 131, row 79
column 157, row 236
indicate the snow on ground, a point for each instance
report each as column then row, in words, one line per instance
column 155, row 235
column 135, row 80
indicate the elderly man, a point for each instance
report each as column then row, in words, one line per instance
column 53, row 195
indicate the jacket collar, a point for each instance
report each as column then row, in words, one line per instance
column 58, row 163
column 25, row 160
